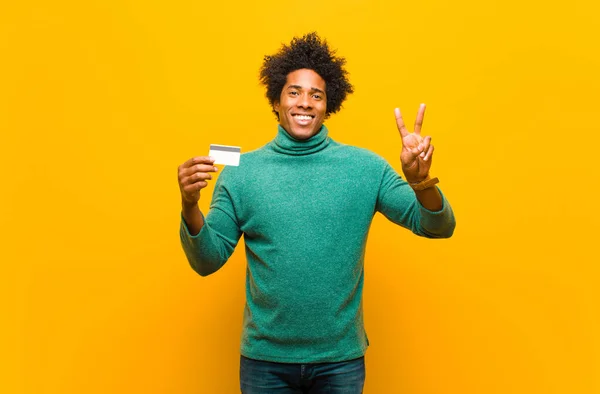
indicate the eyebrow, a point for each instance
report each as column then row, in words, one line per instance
column 300, row 88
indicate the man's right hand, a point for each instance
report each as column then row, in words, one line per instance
column 193, row 176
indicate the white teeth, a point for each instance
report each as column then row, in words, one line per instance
column 302, row 117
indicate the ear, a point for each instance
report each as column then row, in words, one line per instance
column 276, row 106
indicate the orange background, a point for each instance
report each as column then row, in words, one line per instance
column 100, row 101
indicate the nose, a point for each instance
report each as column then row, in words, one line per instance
column 304, row 101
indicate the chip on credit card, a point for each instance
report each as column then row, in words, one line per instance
column 225, row 154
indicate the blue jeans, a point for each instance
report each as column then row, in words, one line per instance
column 265, row 377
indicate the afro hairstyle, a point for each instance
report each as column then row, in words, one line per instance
column 312, row 53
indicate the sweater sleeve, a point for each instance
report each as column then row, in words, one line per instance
column 208, row 250
column 397, row 202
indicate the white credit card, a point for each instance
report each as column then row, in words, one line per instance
column 225, row 154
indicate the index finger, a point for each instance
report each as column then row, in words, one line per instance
column 198, row 160
column 400, row 123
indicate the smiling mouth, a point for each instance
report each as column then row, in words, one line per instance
column 303, row 117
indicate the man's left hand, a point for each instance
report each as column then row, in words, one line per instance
column 416, row 150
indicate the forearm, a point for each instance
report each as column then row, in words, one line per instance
column 435, row 221
column 430, row 198
column 193, row 217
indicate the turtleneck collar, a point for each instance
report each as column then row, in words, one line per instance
column 286, row 144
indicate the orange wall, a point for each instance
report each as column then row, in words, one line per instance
column 100, row 101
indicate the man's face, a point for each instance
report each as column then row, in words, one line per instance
column 302, row 104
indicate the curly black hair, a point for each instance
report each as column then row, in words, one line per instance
column 312, row 53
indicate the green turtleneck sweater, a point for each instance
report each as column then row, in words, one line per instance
column 304, row 208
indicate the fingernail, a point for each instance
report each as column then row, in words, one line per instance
column 216, row 169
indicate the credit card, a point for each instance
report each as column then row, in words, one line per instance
column 225, row 154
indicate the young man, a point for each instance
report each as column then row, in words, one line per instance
column 304, row 204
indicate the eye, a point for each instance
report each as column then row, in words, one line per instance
column 293, row 93
column 317, row 96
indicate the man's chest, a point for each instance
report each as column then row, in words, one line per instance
column 296, row 197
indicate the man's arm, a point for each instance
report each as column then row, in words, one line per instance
column 428, row 215
column 209, row 242
column 398, row 202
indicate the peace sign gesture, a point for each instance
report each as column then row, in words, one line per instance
column 416, row 150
